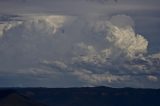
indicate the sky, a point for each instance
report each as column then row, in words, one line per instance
column 77, row 43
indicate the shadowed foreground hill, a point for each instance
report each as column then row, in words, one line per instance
column 12, row 98
column 96, row 96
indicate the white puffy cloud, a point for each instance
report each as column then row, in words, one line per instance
column 121, row 40
column 47, row 23
column 29, row 41
column 126, row 40
column 4, row 27
column 124, row 56
column 53, row 21
column 98, row 79
column 155, row 56
column 152, row 78
column 58, row 65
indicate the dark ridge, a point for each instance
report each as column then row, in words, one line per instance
column 84, row 96
column 6, row 92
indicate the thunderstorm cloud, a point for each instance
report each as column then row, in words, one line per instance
column 79, row 43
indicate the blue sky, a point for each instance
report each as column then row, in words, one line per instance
column 70, row 43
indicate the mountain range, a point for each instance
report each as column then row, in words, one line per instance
column 85, row 96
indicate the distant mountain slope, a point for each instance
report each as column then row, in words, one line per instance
column 10, row 98
column 96, row 96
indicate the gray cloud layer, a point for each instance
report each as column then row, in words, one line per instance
column 76, row 7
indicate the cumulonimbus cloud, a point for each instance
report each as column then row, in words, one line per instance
column 106, row 52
